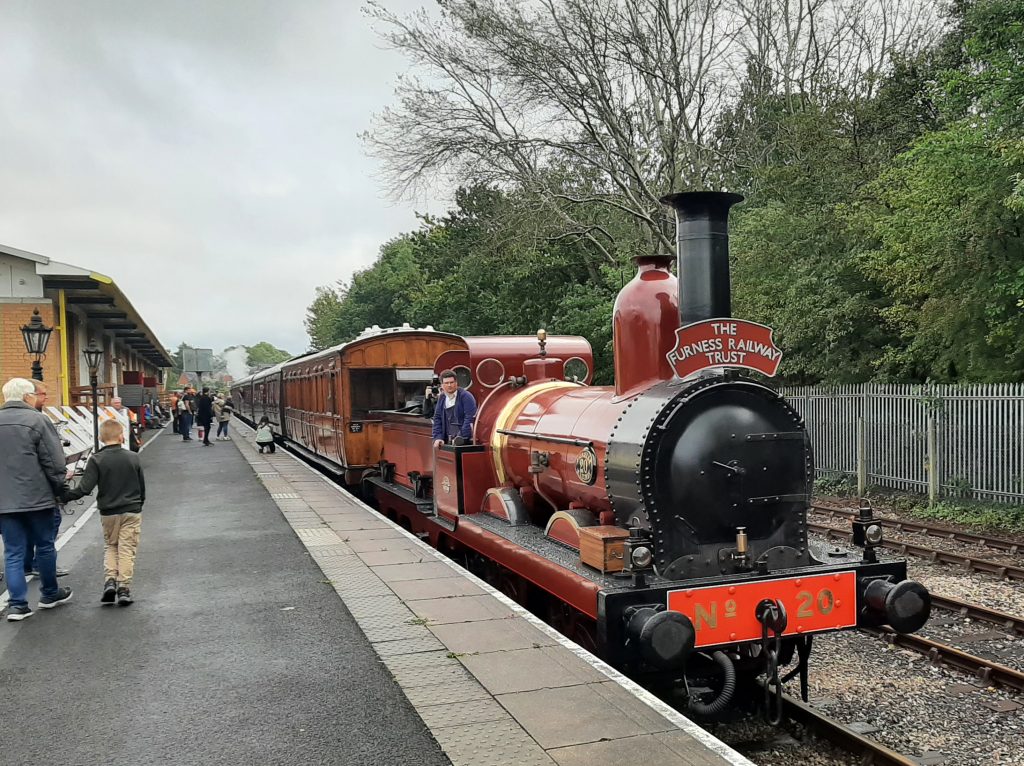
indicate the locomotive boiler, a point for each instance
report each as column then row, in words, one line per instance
column 664, row 518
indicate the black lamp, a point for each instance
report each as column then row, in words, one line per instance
column 93, row 357
column 37, row 337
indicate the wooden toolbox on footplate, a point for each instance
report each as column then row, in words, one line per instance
column 603, row 547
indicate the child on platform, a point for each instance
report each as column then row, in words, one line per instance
column 265, row 435
column 122, row 493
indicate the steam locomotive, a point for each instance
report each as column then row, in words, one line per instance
column 661, row 522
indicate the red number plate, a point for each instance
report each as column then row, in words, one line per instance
column 724, row 614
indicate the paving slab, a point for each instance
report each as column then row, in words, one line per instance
column 441, row 611
column 412, row 590
column 523, row 670
column 491, row 636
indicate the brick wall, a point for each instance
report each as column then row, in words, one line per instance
column 14, row 361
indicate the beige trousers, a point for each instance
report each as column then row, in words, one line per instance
column 121, row 535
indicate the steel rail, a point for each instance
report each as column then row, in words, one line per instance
column 988, row 671
column 1005, row 571
column 871, row 751
column 1008, row 622
column 933, row 530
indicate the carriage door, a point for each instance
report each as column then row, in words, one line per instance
column 337, row 439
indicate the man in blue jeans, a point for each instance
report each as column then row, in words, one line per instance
column 31, row 476
column 30, row 555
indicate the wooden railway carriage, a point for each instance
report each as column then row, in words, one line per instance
column 324, row 403
column 330, row 397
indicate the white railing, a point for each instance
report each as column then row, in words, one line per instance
column 958, row 441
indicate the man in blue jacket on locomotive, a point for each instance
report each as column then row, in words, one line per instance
column 454, row 413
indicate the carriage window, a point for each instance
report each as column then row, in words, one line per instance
column 371, row 390
column 412, row 384
column 386, row 389
column 414, row 376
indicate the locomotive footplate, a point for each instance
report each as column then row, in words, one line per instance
column 723, row 609
column 534, row 540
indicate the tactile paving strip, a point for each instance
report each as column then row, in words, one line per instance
column 362, row 608
column 490, row 743
column 462, row 713
column 318, row 536
column 426, row 670
column 445, row 694
column 386, row 629
column 408, row 646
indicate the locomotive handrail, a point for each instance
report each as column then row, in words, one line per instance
column 544, row 438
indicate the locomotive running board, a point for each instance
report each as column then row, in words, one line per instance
column 426, row 507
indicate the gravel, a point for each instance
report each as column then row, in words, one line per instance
column 931, row 541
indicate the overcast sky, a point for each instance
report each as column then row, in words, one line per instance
column 202, row 154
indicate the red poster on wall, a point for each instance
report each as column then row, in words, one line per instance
column 724, row 343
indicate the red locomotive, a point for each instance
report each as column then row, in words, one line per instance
column 660, row 522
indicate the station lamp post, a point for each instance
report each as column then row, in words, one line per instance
column 93, row 357
column 37, row 337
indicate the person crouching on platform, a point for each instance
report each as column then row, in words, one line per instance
column 454, row 414
column 118, row 474
column 265, row 435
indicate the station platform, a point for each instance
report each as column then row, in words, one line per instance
column 280, row 620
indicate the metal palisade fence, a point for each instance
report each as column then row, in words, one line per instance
column 943, row 440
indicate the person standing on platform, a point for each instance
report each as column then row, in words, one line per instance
column 224, row 409
column 122, row 493
column 204, row 414
column 174, row 412
column 454, row 414
column 30, row 554
column 185, row 415
column 31, row 476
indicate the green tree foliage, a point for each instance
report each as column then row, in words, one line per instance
column 265, row 354
column 950, row 258
column 322, row 315
column 881, row 232
column 991, row 85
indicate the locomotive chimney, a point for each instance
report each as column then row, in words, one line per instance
column 702, row 243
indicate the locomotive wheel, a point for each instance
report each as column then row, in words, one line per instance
column 559, row 616
column 513, row 586
column 583, row 631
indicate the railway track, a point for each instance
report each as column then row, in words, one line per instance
column 932, row 530
column 1007, row 622
column 1004, row 571
column 870, row 751
column 990, row 672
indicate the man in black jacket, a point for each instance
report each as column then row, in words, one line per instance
column 204, row 414
column 32, row 473
column 118, row 474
